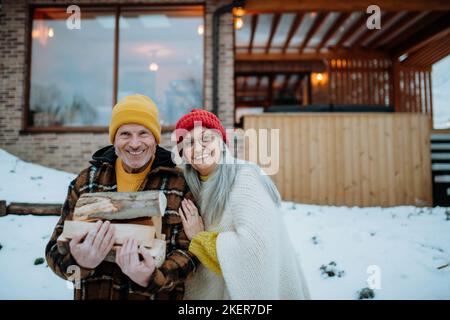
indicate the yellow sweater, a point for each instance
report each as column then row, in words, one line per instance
column 130, row 182
column 203, row 246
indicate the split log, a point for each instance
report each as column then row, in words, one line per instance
column 158, row 250
column 44, row 209
column 123, row 206
column 144, row 235
column 119, row 205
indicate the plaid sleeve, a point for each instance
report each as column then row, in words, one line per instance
column 179, row 264
column 57, row 261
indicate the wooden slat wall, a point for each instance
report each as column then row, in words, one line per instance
column 361, row 81
column 414, row 89
column 352, row 159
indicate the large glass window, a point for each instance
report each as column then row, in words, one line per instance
column 71, row 70
column 77, row 75
column 161, row 55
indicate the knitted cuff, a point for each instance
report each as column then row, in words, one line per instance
column 203, row 246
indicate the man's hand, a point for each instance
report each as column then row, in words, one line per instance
column 96, row 245
column 192, row 222
column 127, row 257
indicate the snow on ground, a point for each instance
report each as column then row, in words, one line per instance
column 336, row 245
column 23, row 238
column 22, row 181
column 407, row 243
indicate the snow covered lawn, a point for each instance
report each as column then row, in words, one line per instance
column 408, row 246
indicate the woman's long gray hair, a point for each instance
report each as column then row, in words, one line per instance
column 212, row 196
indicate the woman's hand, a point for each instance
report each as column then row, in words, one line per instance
column 192, row 222
column 127, row 257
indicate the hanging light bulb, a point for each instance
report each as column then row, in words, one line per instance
column 200, row 29
column 153, row 67
column 238, row 23
column 319, row 77
column 35, row 33
column 51, row 33
column 238, row 12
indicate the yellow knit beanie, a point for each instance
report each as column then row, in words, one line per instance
column 137, row 109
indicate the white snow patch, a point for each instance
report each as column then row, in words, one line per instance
column 407, row 243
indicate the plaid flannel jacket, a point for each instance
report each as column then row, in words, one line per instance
column 107, row 280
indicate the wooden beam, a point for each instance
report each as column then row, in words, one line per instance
column 374, row 42
column 409, row 20
column 425, row 36
column 424, row 20
column 275, row 21
column 385, row 19
column 252, row 32
column 253, row 103
column 318, row 22
column 430, row 54
column 358, row 23
column 259, row 6
column 310, row 55
column 294, row 26
column 333, row 29
column 266, row 68
column 434, row 56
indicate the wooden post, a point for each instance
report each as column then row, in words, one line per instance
column 2, row 208
column 43, row 209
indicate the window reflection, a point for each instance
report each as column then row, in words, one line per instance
column 161, row 55
column 72, row 70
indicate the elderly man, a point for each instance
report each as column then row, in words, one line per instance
column 135, row 162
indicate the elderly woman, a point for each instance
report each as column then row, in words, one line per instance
column 240, row 237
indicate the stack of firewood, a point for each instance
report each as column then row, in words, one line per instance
column 135, row 215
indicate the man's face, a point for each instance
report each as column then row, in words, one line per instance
column 135, row 145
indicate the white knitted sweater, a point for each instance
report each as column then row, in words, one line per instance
column 253, row 248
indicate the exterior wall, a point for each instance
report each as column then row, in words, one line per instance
column 350, row 159
column 72, row 151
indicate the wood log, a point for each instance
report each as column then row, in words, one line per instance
column 128, row 209
column 119, row 205
column 44, row 209
column 2, row 208
column 158, row 250
column 144, row 235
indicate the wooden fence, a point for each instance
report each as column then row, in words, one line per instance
column 352, row 159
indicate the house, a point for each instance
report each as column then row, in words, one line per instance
column 347, row 85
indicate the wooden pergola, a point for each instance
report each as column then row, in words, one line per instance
column 283, row 46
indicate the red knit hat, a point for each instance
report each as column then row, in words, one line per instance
column 205, row 118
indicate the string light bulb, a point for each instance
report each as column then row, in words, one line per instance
column 153, row 67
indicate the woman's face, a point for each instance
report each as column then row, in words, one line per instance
column 202, row 149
